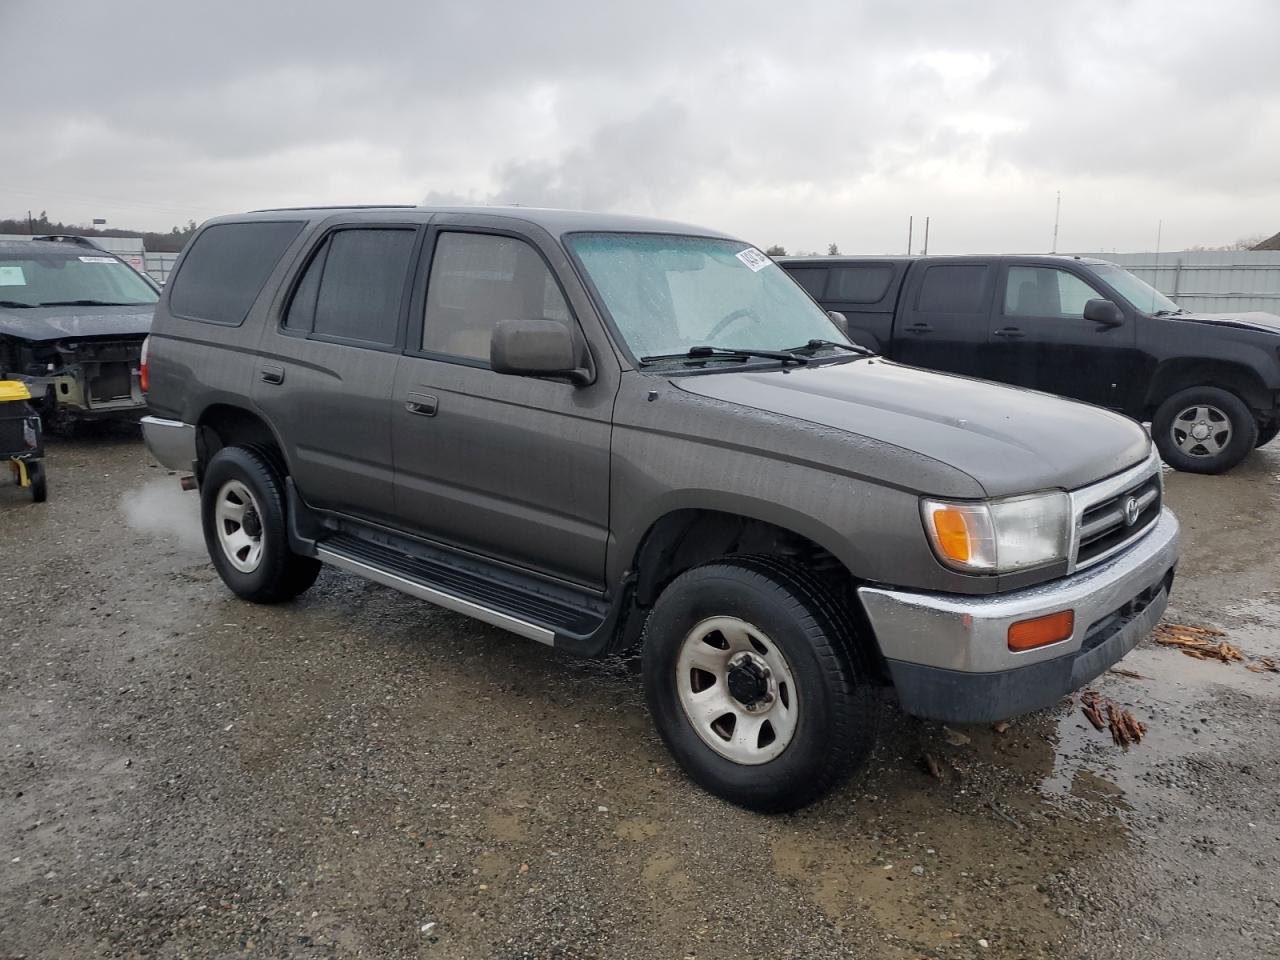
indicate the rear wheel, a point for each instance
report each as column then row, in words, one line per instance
column 1204, row 430
column 39, row 484
column 753, row 684
column 242, row 508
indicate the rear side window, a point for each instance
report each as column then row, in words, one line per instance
column 353, row 287
column 223, row 272
column 478, row 280
column 861, row 284
column 813, row 279
column 953, row 288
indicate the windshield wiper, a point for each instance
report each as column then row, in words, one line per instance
column 89, row 303
column 12, row 304
column 813, row 346
column 727, row 353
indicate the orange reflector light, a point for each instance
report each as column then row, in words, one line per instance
column 1029, row 634
column 953, row 533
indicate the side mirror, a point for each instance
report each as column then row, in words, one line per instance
column 535, row 348
column 1104, row 312
column 840, row 320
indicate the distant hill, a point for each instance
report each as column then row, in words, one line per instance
column 171, row 242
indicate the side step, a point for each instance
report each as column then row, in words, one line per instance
column 519, row 604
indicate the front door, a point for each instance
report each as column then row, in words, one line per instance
column 515, row 468
column 942, row 324
column 1040, row 338
column 328, row 364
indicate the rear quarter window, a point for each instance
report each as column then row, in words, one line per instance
column 860, row 284
column 813, row 279
column 223, row 272
column 953, row 288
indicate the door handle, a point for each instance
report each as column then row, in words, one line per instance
column 422, row 404
column 272, row 373
column 1010, row 333
column 920, row 328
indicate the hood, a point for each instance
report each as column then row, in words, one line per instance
column 1249, row 320
column 64, row 323
column 1011, row 441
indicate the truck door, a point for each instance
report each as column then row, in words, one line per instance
column 516, row 468
column 942, row 319
column 1040, row 339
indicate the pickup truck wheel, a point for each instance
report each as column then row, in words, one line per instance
column 752, row 686
column 242, row 511
column 1204, row 430
column 1267, row 434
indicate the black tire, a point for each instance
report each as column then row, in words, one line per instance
column 39, row 483
column 279, row 574
column 1267, row 434
column 838, row 716
column 1228, row 417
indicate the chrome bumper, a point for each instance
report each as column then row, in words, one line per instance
column 172, row 442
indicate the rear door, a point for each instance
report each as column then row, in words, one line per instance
column 515, row 468
column 1040, row 339
column 328, row 362
column 943, row 315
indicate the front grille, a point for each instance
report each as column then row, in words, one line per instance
column 1105, row 527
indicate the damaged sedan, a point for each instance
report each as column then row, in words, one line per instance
column 72, row 321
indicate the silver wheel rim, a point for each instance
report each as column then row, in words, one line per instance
column 237, row 518
column 1201, row 431
column 724, row 655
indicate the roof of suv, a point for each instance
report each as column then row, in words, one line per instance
column 553, row 221
column 840, row 258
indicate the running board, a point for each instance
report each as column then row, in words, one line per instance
column 523, row 608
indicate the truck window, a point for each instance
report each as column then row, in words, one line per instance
column 952, row 288
column 223, row 272
column 478, row 280
column 1045, row 292
column 362, row 285
column 813, row 279
column 866, row 283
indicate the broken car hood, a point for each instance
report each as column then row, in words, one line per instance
column 66, row 323
column 1011, row 441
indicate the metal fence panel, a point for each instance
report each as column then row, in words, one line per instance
column 1209, row 281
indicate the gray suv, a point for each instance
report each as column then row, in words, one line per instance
column 604, row 432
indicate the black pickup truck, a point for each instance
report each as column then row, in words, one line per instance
column 1082, row 328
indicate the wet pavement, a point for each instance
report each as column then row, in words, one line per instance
column 360, row 774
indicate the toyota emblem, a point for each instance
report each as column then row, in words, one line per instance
column 1131, row 511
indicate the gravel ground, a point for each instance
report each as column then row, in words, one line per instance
column 360, row 774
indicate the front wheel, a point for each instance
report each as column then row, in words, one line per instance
column 1204, row 430
column 754, row 684
column 242, row 510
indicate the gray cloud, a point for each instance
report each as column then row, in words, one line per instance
column 799, row 123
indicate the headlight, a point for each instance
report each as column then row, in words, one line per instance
column 999, row 536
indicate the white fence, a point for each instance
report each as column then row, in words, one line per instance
column 1210, row 281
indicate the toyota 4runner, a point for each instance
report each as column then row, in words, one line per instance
column 603, row 432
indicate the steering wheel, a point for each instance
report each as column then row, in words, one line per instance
column 738, row 314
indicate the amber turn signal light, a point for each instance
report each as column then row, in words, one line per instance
column 1042, row 631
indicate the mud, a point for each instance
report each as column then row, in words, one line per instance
column 359, row 774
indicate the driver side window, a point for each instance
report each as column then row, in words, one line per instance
column 478, row 280
column 1046, row 292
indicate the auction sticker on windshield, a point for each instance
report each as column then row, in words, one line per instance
column 754, row 259
column 12, row 277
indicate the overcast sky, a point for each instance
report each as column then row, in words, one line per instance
column 795, row 123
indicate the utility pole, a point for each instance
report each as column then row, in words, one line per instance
column 1057, row 211
column 925, row 251
column 910, row 222
column 31, row 224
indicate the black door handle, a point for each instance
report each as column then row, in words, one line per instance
column 920, row 328
column 422, row 404
column 272, row 374
column 1010, row 333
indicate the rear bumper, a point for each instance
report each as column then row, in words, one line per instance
column 949, row 658
column 172, row 442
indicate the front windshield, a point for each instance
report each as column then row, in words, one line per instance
column 1140, row 294
column 56, row 278
column 667, row 294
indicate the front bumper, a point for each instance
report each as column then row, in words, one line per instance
column 949, row 657
column 172, row 442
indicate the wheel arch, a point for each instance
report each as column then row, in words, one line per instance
column 222, row 424
column 1182, row 373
